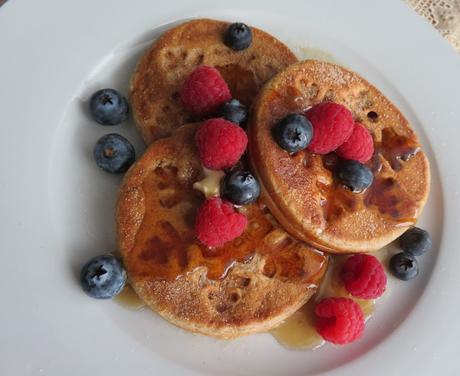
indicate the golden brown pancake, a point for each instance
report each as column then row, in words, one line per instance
column 161, row 72
column 299, row 189
column 248, row 285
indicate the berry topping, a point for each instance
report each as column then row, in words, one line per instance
column 204, row 91
column 240, row 187
column 217, row 222
column 108, row 107
column 359, row 146
column 293, row 133
column 238, row 36
column 103, row 277
column 404, row 266
column 339, row 320
column 220, row 143
column 114, row 153
column 354, row 175
column 415, row 241
column 233, row 111
column 332, row 125
column 364, row 276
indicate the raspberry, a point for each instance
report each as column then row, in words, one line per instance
column 364, row 276
column 359, row 146
column 339, row 320
column 217, row 222
column 204, row 91
column 220, row 143
column 332, row 125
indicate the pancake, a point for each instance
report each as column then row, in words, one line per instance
column 161, row 72
column 299, row 189
column 248, row 285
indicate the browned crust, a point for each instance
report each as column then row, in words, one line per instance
column 160, row 73
column 290, row 189
column 246, row 300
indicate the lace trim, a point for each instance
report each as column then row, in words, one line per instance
column 444, row 15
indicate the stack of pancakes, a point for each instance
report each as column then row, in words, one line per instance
column 254, row 282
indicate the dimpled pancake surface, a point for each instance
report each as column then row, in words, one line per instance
column 248, row 285
column 161, row 72
column 300, row 190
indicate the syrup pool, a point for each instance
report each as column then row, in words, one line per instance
column 129, row 299
column 298, row 332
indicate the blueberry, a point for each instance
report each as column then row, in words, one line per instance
column 293, row 133
column 233, row 111
column 354, row 175
column 103, row 277
column 404, row 266
column 238, row 36
column 415, row 241
column 240, row 187
column 108, row 107
column 114, row 153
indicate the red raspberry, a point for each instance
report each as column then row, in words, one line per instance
column 359, row 146
column 339, row 320
column 220, row 143
column 364, row 276
column 217, row 222
column 332, row 125
column 204, row 91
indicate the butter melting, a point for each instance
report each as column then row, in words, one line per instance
column 210, row 185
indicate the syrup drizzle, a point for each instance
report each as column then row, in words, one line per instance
column 129, row 299
column 385, row 193
column 242, row 82
column 391, row 200
column 173, row 250
column 396, row 148
column 298, row 332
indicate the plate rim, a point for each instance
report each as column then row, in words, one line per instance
column 444, row 57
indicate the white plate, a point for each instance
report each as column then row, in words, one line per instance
column 57, row 208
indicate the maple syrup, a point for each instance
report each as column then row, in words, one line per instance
column 129, row 299
column 242, row 82
column 297, row 331
column 317, row 54
column 385, row 193
column 172, row 249
column 391, row 200
column 396, row 148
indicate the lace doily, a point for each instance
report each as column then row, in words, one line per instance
column 444, row 15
